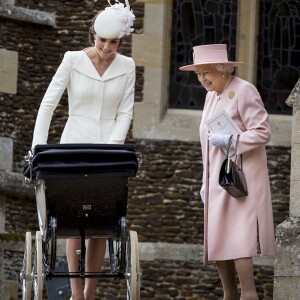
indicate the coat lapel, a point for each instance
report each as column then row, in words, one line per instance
column 115, row 69
column 86, row 67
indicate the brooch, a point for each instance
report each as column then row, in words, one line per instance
column 231, row 94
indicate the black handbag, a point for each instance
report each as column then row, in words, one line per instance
column 231, row 177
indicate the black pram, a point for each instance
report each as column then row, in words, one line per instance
column 81, row 190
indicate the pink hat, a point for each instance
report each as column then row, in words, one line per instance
column 209, row 54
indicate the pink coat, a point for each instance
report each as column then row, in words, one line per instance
column 233, row 225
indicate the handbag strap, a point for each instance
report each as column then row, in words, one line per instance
column 236, row 145
column 227, row 168
column 235, row 150
column 228, row 146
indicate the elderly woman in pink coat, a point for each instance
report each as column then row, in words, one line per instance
column 235, row 228
column 100, row 84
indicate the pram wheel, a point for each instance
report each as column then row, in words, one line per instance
column 37, row 271
column 138, row 268
column 53, row 229
column 117, row 249
column 123, row 244
column 133, row 273
column 25, row 275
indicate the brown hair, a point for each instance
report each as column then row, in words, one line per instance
column 92, row 30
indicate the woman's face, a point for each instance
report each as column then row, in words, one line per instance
column 106, row 47
column 210, row 78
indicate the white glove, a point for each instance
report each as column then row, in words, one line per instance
column 219, row 140
column 202, row 192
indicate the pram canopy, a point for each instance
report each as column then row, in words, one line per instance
column 78, row 160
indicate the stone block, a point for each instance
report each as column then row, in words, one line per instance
column 2, row 213
column 286, row 288
column 23, row 14
column 10, row 290
column 153, row 77
column 295, row 166
column 294, row 97
column 281, row 128
column 147, row 50
column 287, row 261
column 296, row 126
column 6, row 154
column 158, row 11
column 8, row 71
column 294, row 198
column 178, row 252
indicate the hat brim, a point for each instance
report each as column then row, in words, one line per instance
column 194, row 66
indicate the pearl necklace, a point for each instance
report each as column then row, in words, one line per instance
column 226, row 84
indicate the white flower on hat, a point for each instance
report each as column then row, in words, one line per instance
column 115, row 21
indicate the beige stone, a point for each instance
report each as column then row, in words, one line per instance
column 156, row 1
column 295, row 180
column 147, row 50
column 281, row 128
column 287, row 288
column 153, row 91
column 287, row 261
column 2, row 213
column 296, row 127
column 8, row 71
column 248, row 20
column 6, row 154
column 287, row 266
column 10, row 290
column 8, row 10
column 294, row 198
column 288, row 248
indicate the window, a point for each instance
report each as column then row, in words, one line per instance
column 197, row 22
column 278, row 53
column 164, row 117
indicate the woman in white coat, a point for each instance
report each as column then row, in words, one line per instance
column 100, row 84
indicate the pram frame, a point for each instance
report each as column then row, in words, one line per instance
column 124, row 263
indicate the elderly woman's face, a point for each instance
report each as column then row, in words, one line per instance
column 210, row 78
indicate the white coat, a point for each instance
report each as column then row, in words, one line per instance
column 100, row 107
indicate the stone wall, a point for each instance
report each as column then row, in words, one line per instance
column 163, row 203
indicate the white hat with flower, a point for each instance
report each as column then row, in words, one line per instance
column 115, row 21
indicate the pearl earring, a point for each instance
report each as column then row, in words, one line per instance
column 223, row 75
